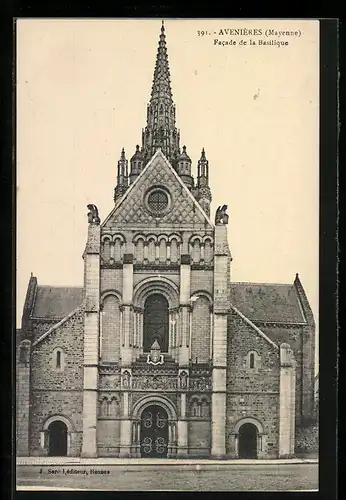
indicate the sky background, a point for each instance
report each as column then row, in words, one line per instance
column 82, row 91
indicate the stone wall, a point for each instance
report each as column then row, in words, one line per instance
column 111, row 279
column 108, row 437
column 252, row 392
column 293, row 336
column 307, row 440
column 58, row 391
column 199, row 437
column 200, row 331
column 110, row 329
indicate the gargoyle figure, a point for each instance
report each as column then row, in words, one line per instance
column 221, row 217
column 93, row 214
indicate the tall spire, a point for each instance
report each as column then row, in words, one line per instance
column 161, row 86
column 160, row 130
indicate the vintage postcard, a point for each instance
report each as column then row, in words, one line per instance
column 167, row 254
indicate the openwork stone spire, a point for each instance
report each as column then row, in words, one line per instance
column 160, row 131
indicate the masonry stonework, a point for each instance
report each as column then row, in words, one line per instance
column 160, row 353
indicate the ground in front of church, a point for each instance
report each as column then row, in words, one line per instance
column 185, row 476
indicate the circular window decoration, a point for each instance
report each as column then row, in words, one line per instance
column 157, row 201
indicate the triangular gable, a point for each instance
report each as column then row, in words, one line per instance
column 254, row 327
column 158, row 171
column 56, row 326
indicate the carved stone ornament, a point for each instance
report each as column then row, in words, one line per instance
column 221, row 217
column 93, row 214
column 221, row 249
column 154, row 383
column 200, row 384
column 111, row 381
column 155, row 357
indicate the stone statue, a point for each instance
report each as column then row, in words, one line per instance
column 93, row 214
column 221, row 217
column 126, row 379
column 183, row 380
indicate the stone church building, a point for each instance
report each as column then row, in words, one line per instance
column 160, row 354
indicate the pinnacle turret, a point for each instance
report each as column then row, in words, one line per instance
column 136, row 164
column 203, row 170
column 184, row 168
column 122, row 177
column 203, row 190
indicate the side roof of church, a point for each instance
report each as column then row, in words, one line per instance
column 260, row 303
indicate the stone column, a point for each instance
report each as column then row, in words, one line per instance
column 135, row 438
column 287, row 402
column 125, row 423
column 138, row 443
column 141, row 332
column 182, row 450
column 185, row 307
column 145, row 252
column 127, row 311
column 202, row 253
column 91, row 339
column 112, row 251
column 219, row 348
column 23, row 398
column 173, row 328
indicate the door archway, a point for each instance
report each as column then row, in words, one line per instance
column 57, row 439
column 247, row 447
column 154, row 432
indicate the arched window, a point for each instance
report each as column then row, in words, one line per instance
column 174, row 251
column 58, row 359
column 208, row 251
column 114, row 407
column 156, row 322
column 252, row 361
column 196, row 251
column 204, row 408
column 104, row 407
column 106, row 249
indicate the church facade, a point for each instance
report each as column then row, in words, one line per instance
column 160, row 354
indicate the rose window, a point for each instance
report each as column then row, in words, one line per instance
column 158, row 201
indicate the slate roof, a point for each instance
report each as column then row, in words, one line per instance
column 257, row 301
column 56, row 302
column 267, row 302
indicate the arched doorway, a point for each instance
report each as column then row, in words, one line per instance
column 57, row 439
column 156, row 322
column 247, row 447
column 154, row 432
